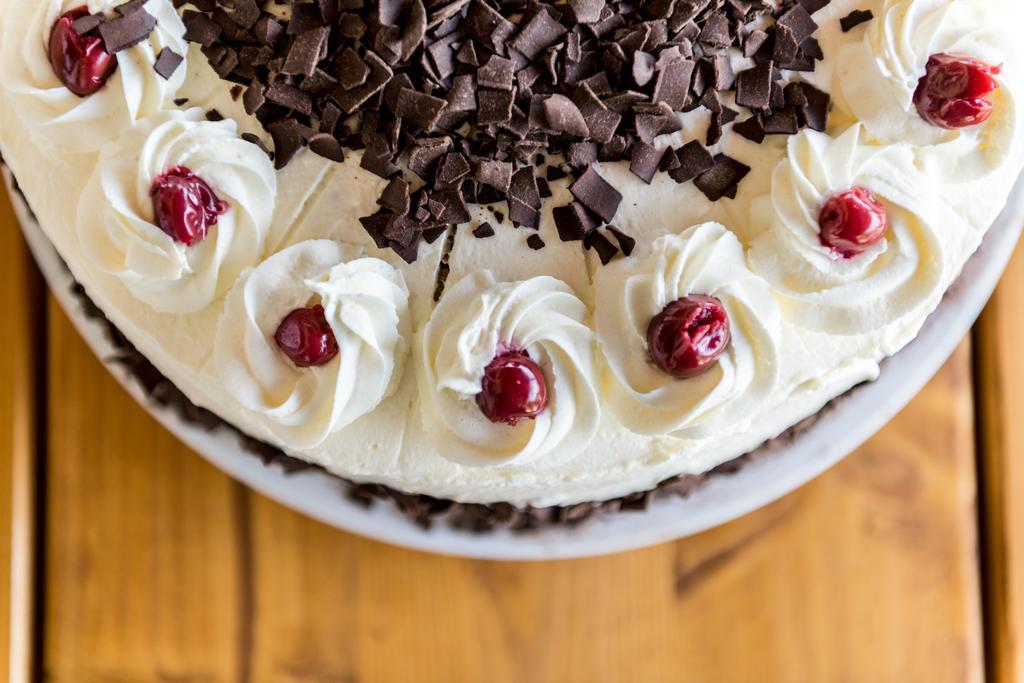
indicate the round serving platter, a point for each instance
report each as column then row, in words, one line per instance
column 841, row 429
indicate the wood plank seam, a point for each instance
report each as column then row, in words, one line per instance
column 31, row 542
column 999, row 627
column 246, row 604
column 24, row 371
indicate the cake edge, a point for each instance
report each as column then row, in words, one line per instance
column 421, row 509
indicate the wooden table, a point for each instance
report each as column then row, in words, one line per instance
column 128, row 558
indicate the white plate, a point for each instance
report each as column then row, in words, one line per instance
column 851, row 422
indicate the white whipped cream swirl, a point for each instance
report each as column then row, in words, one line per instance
column 474, row 320
column 61, row 119
column 366, row 303
column 706, row 259
column 849, row 296
column 117, row 229
column 876, row 78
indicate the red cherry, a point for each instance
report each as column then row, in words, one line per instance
column 964, row 113
column 952, row 92
column 513, row 389
column 184, row 205
column 306, row 337
column 79, row 59
column 689, row 336
column 852, row 222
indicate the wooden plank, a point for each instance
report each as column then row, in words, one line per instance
column 19, row 419
column 868, row 574
column 144, row 573
column 1000, row 376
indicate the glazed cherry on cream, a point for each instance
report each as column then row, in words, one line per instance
column 79, row 60
column 852, row 222
column 952, row 92
column 513, row 389
column 689, row 336
column 185, row 207
column 306, row 337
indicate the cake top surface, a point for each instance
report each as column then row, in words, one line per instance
column 540, row 253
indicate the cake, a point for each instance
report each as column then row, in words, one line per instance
column 507, row 255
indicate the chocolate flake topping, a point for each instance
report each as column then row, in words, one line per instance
column 644, row 161
column 722, row 179
column 597, row 194
column 626, row 243
column 483, row 230
column 855, row 19
column 132, row 25
column 167, row 62
column 87, row 23
column 453, row 101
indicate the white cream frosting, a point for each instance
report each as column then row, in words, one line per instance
column 821, row 355
column 877, row 78
column 845, row 296
column 706, row 259
column 116, row 226
column 57, row 117
column 365, row 302
column 475, row 319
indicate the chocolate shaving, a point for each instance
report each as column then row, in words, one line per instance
column 693, row 160
column 199, row 28
column 644, row 161
column 565, row 117
column 722, row 179
column 752, row 129
column 87, row 24
column 855, row 19
column 483, row 231
column 167, row 62
column 573, row 222
column 754, row 87
column 606, row 251
column 626, row 243
column 287, row 136
column 326, row 146
column 127, row 30
column 798, row 21
column 306, row 52
column 597, row 194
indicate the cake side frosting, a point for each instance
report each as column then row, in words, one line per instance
column 806, row 327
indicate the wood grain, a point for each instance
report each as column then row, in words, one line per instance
column 19, row 422
column 161, row 569
column 1000, row 377
column 867, row 574
column 143, row 571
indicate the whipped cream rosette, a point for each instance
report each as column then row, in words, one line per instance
column 478, row 319
column 118, row 228
column 706, row 260
column 827, row 292
column 366, row 304
column 877, row 78
column 57, row 117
